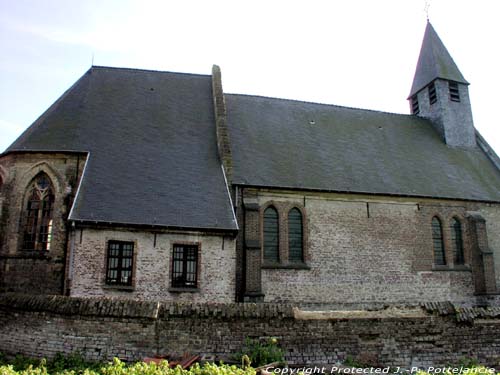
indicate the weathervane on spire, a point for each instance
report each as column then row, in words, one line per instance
column 426, row 8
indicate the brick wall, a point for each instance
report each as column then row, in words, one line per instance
column 102, row 328
column 491, row 214
column 364, row 249
column 37, row 272
column 152, row 265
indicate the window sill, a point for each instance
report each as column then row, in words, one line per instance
column 119, row 288
column 29, row 254
column 183, row 290
column 458, row 268
column 289, row 266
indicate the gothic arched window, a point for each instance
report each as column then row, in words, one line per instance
column 37, row 232
column 457, row 241
column 295, row 236
column 438, row 243
column 271, row 235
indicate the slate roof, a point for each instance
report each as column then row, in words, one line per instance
column 434, row 62
column 293, row 144
column 152, row 148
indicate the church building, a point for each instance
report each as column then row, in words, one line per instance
column 153, row 185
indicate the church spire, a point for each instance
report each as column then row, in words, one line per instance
column 440, row 93
column 434, row 62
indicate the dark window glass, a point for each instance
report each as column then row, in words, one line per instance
column 454, row 93
column 185, row 266
column 120, row 263
column 437, row 239
column 295, row 236
column 415, row 109
column 37, row 233
column 457, row 241
column 271, row 235
column 432, row 93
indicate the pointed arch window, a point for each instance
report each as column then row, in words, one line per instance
column 457, row 241
column 438, row 243
column 295, row 236
column 271, row 235
column 37, row 231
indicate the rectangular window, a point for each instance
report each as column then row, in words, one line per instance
column 185, row 266
column 119, row 263
column 454, row 93
column 415, row 109
column 432, row 93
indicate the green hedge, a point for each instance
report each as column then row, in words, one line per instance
column 118, row 367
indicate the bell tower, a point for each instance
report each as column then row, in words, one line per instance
column 440, row 93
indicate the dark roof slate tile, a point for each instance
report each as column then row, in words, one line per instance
column 152, row 148
column 292, row 144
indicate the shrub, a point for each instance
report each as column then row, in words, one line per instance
column 260, row 354
column 118, row 367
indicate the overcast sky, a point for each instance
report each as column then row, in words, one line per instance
column 357, row 53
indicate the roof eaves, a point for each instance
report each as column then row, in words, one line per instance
column 102, row 223
column 319, row 190
column 37, row 151
column 423, row 86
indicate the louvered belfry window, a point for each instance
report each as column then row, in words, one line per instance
column 432, row 93
column 185, row 266
column 295, row 236
column 457, row 241
column 454, row 92
column 271, row 235
column 37, row 234
column 120, row 263
column 438, row 243
column 415, row 108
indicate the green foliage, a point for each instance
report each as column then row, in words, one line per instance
column 467, row 362
column 260, row 354
column 117, row 367
column 351, row 362
column 20, row 363
column 474, row 370
column 73, row 361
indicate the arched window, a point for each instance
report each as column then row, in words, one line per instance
column 457, row 241
column 37, row 233
column 295, row 236
column 271, row 235
column 437, row 239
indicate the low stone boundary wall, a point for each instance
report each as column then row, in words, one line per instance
column 436, row 334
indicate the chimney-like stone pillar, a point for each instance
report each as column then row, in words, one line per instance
column 223, row 142
column 482, row 261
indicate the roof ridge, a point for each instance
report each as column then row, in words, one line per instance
column 102, row 67
column 327, row 104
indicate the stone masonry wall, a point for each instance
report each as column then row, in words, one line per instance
column 365, row 249
column 35, row 271
column 102, row 328
column 152, row 265
column 491, row 213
